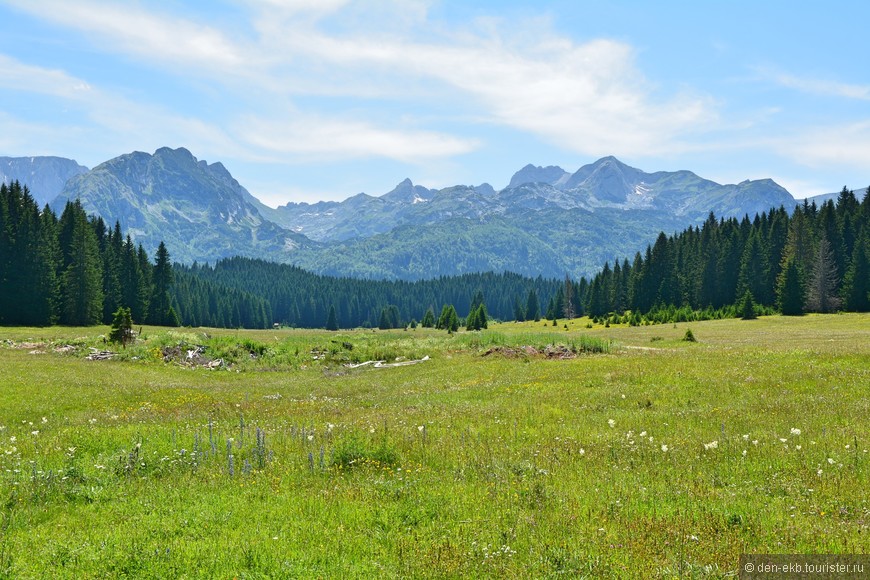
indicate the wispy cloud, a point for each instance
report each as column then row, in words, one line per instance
column 17, row 76
column 823, row 87
column 584, row 97
column 845, row 145
column 330, row 138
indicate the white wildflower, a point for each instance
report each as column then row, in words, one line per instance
column 642, row 434
column 44, row 420
column 665, row 448
column 782, row 440
column 311, row 437
column 795, row 431
column 612, row 423
column 34, row 432
column 582, row 451
column 830, row 461
column 711, row 445
column 798, row 447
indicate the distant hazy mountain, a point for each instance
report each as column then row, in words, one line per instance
column 546, row 222
column 199, row 210
column 43, row 176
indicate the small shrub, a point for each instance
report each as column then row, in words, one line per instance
column 689, row 337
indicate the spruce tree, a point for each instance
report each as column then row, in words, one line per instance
column 331, row 319
column 82, row 286
column 747, row 307
column 856, row 285
column 533, row 306
column 519, row 313
column 428, row 319
column 822, row 287
column 790, row 288
column 162, row 312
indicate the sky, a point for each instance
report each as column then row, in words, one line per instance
column 307, row 100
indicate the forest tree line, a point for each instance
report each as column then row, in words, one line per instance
column 296, row 297
column 74, row 270
column 812, row 260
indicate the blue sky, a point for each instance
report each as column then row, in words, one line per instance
column 321, row 99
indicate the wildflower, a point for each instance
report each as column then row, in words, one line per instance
column 329, row 427
column 34, row 432
column 746, row 437
column 12, row 439
column 819, row 473
column 642, row 434
column 830, row 461
column 795, row 431
column 744, row 453
column 711, row 445
column 582, row 451
column 798, row 447
column 421, row 427
column 782, row 440
column 100, row 466
column 311, row 437
column 44, row 420
column 665, row 448
column 755, row 441
column 612, row 423
column 92, row 421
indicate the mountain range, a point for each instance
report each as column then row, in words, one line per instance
column 547, row 221
column 44, row 176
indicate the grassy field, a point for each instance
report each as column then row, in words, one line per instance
column 641, row 456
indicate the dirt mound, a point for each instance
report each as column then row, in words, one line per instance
column 559, row 351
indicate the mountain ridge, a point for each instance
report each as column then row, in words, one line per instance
column 546, row 222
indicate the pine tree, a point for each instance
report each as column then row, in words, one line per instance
column 519, row 313
column 822, row 287
column 331, row 319
column 790, row 288
column 568, row 303
column 533, row 306
column 747, row 307
column 856, row 285
column 122, row 327
column 82, row 277
column 162, row 312
column 428, row 319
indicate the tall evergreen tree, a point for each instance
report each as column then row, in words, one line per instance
column 823, row 280
column 162, row 312
column 533, row 306
column 790, row 288
column 83, row 276
column 332, row 319
column 856, row 285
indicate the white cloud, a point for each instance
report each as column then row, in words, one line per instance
column 584, row 97
column 18, row 76
column 324, row 138
column 820, row 86
column 842, row 146
column 134, row 30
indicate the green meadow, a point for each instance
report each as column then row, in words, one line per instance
column 525, row 450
